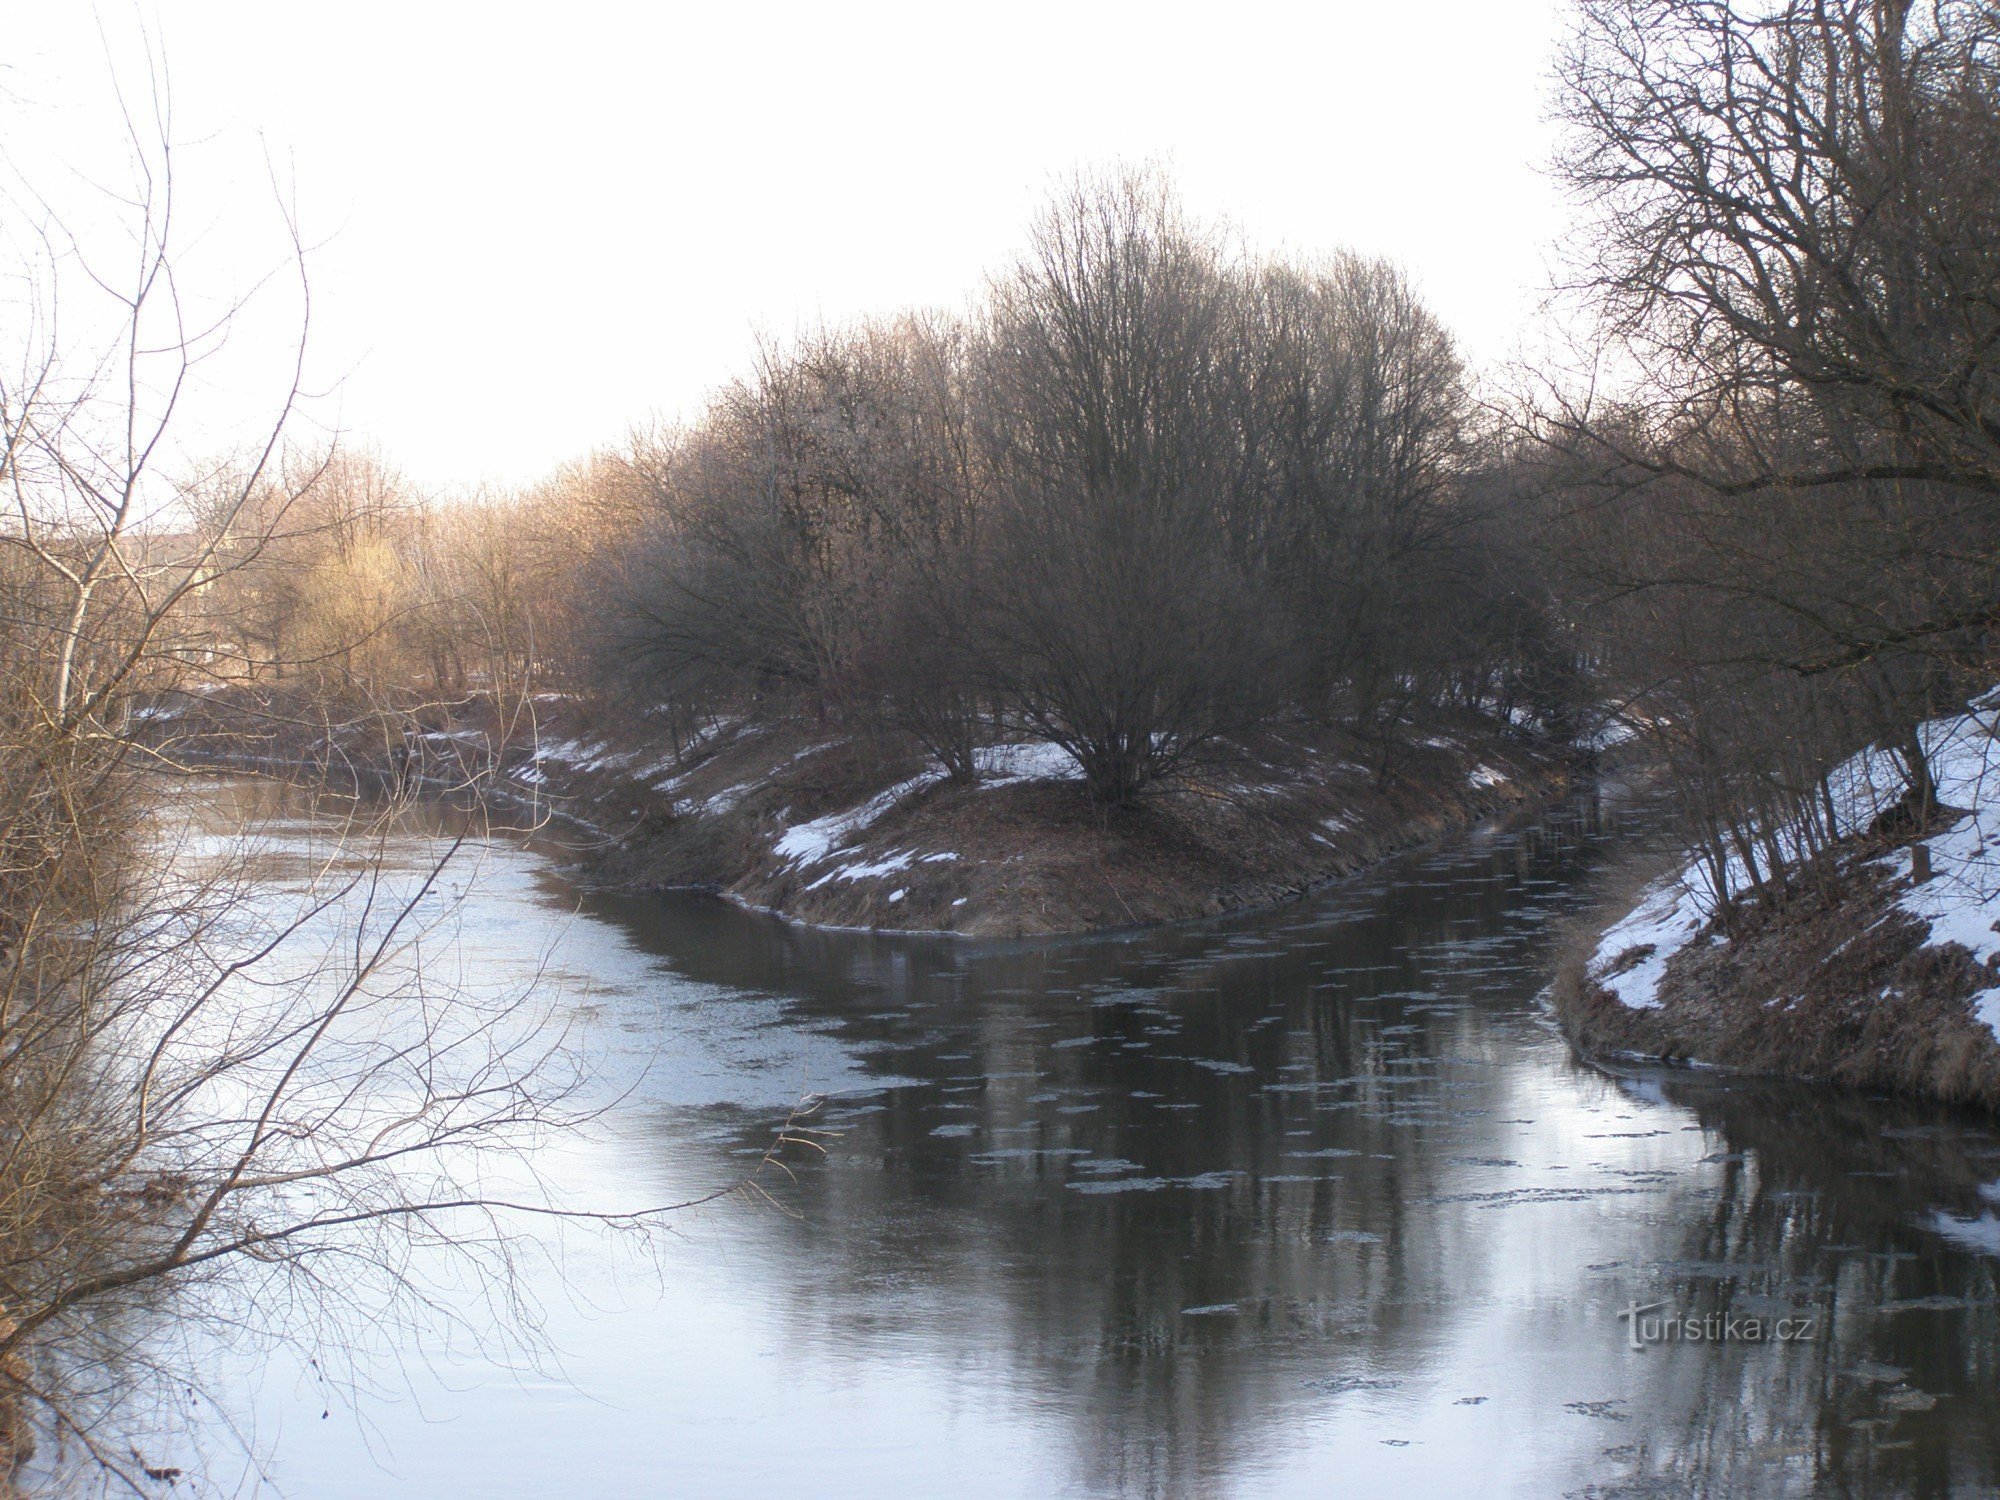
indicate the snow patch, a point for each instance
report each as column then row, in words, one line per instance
column 1631, row 957
column 864, row 870
column 1961, row 900
column 569, row 752
column 1035, row 760
column 726, row 799
column 1605, row 736
column 809, row 843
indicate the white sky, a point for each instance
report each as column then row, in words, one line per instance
column 541, row 223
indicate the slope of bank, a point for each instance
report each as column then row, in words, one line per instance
column 1879, row 968
column 846, row 832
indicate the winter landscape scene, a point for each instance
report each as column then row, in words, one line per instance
column 1108, row 751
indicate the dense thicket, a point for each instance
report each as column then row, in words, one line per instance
column 1151, row 494
column 1784, row 530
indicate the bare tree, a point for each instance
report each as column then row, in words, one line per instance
column 1123, row 628
column 1794, row 230
column 193, row 1075
column 1783, row 522
column 1355, row 428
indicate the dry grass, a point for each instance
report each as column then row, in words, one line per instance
column 1035, row 857
column 1833, row 983
column 1032, row 857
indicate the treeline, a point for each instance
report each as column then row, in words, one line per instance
column 339, row 577
column 1151, row 495
column 1783, row 533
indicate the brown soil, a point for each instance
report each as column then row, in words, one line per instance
column 1830, row 982
column 1034, row 857
column 1026, row 857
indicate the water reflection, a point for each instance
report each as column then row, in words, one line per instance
column 1295, row 1203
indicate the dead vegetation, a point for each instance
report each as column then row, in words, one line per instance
column 1826, row 979
column 1007, row 856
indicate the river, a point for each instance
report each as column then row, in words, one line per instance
column 1300, row 1202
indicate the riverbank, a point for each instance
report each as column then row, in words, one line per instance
column 847, row 832
column 1878, row 965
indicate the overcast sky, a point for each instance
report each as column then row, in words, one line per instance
column 538, row 224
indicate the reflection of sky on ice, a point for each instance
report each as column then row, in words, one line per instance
column 1302, row 1203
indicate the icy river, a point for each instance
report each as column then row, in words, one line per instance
column 1312, row 1201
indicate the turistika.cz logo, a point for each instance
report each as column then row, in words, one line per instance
column 1647, row 1324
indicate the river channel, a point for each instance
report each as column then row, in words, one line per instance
column 1311, row 1201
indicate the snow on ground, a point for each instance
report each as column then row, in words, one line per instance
column 1960, row 902
column 809, row 843
column 1632, row 956
column 726, row 799
column 582, row 755
column 714, row 733
column 1863, row 787
column 823, row 838
column 894, row 861
column 888, row 864
column 1037, row 760
column 662, row 776
column 998, row 765
column 1611, row 732
column 1332, row 826
column 1487, row 776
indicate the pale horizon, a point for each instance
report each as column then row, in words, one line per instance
column 529, row 236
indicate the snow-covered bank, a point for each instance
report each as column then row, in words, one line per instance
column 1882, row 964
column 789, row 819
column 793, row 818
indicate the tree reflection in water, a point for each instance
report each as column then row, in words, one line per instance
column 1305, row 1201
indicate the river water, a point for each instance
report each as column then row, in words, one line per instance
column 1306, row 1202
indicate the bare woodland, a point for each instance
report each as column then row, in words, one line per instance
column 1783, row 531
